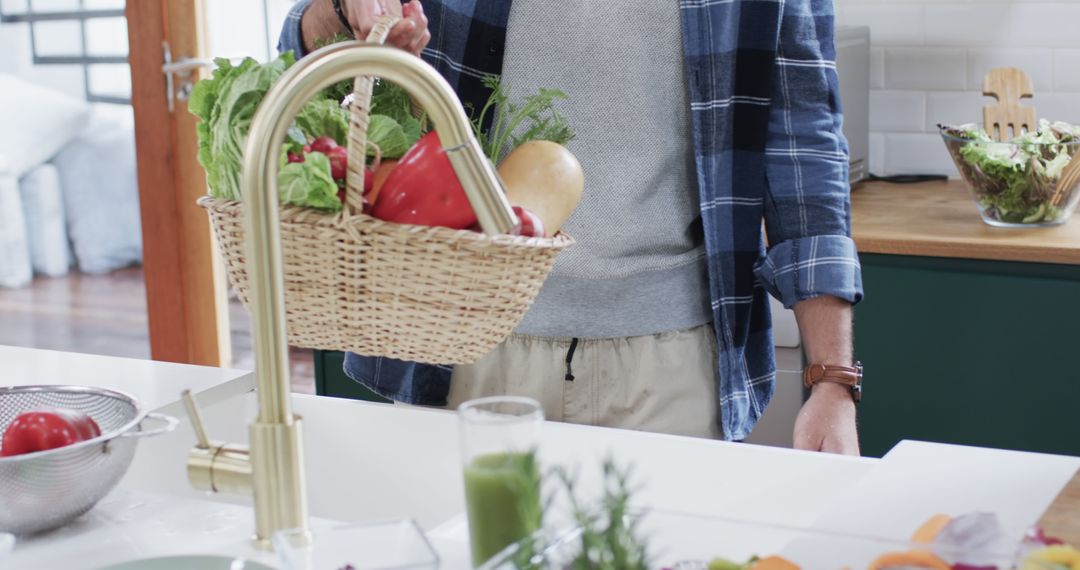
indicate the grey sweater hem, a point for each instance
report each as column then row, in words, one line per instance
column 646, row 303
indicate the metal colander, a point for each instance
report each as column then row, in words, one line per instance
column 46, row 489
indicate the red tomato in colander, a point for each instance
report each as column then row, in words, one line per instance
column 39, row 430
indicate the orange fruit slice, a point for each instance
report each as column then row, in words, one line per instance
column 930, row 529
column 909, row 559
column 774, row 563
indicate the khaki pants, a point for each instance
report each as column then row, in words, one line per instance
column 661, row 383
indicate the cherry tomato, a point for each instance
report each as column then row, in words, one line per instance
column 531, row 225
column 324, row 144
column 44, row 429
column 339, row 161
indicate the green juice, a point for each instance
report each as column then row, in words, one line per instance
column 502, row 499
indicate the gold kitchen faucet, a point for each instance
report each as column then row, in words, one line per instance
column 272, row 467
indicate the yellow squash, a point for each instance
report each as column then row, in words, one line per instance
column 544, row 177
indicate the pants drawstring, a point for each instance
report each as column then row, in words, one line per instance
column 570, row 358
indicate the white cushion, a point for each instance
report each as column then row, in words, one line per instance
column 36, row 122
column 44, row 207
column 101, row 197
column 15, row 268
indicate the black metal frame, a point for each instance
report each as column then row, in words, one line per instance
column 83, row 59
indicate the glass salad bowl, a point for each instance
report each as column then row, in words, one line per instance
column 1018, row 183
column 681, row 541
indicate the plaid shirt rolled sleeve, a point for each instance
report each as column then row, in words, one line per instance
column 292, row 37
column 807, row 206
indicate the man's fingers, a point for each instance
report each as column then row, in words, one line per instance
column 830, row 445
column 423, row 35
column 394, row 7
column 363, row 14
column 418, row 46
column 401, row 35
column 841, row 444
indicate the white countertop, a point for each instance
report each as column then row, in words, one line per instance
column 368, row 461
column 376, row 462
column 156, row 385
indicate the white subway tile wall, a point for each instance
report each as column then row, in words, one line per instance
column 928, row 59
column 907, row 111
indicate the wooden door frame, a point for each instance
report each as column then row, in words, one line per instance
column 187, row 307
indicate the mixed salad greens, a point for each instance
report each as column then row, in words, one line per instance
column 226, row 104
column 1016, row 181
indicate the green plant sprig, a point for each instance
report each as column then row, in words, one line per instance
column 538, row 113
column 609, row 538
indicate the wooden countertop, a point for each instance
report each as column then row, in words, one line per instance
column 940, row 219
column 1062, row 519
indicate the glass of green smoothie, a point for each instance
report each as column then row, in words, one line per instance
column 499, row 440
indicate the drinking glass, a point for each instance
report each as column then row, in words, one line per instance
column 499, row 440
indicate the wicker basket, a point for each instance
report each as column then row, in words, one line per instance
column 355, row 283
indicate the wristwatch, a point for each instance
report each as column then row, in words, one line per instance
column 850, row 376
column 341, row 14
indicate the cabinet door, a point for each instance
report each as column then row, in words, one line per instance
column 970, row 352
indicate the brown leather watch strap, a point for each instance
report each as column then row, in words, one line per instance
column 850, row 376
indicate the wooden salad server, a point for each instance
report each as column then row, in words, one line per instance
column 1008, row 118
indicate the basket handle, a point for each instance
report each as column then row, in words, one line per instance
column 358, row 123
column 170, row 424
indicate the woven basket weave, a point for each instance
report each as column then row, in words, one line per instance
column 355, row 283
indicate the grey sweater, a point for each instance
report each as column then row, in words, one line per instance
column 639, row 264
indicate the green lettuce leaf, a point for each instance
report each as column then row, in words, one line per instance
column 295, row 140
column 226, row 103
column 391, row 100
column 324, row 117
column 309, row 184
column 389, row 135
column 411, row 126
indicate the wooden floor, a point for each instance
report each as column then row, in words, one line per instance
column 107, row 315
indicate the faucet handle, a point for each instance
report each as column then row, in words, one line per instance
column 196, row 419
column 215, row 466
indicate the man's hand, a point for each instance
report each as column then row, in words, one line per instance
column 320, row 21
column 826, row 421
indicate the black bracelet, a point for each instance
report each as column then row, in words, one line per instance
column 341, row 15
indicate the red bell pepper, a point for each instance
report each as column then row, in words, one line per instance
column 423, row 189
column 44, row 429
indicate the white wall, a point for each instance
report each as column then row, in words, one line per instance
column 235, row 28
column 929, row 57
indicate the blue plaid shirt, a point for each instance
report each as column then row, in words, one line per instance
column 765, row 101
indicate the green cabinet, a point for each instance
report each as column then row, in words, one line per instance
column 330, row 380
column 983, row 353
